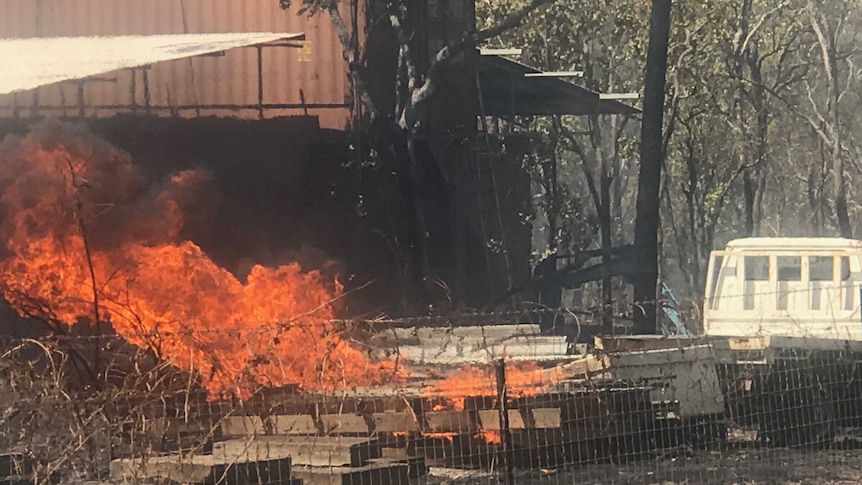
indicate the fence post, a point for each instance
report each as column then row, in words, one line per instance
column 505, row 435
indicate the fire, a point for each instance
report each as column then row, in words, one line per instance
column 86, row 238
column 522, row 379
column 490, row 436
column 441, row 435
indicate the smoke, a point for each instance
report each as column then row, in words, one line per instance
column 60, row 177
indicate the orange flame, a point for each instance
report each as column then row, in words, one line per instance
column 442, row 435
column 490, row 436
column 522, row 379
column 82, row 232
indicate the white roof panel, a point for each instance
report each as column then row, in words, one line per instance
column 31, row 63
column 793, row 243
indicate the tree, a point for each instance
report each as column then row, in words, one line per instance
column 392, row 102
column 649, row 180
column 829, row 129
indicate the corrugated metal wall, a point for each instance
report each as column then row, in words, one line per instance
column 306, row 78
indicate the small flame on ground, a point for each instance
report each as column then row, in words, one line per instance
column 522, row 379
column 440, row 435
column 490, row 436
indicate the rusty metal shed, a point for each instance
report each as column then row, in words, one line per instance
column 300, row 77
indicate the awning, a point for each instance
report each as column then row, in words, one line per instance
column 507, row 92
column 30, row 63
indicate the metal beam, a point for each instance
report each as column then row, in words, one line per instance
column 500, row 52
column 555, row 74
column 619, row 95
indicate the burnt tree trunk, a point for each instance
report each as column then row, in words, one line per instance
column 649, row 178
column 607, row 244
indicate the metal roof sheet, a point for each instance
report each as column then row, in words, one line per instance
column 31, row 63
column 507, row 91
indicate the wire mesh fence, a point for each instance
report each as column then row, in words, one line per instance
column 465, row 405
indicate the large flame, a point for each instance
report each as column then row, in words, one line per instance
column 84, row 234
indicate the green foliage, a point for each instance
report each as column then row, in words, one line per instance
column 747, row 108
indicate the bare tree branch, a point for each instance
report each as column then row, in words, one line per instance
column 470, row 41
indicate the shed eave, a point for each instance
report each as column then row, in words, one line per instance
column 35, row 62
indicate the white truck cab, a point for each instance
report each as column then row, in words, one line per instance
column 796, row 287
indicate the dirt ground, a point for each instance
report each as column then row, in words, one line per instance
column 731, row 467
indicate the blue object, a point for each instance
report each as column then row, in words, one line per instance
column 671, row 322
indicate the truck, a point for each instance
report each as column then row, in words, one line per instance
column 782, row 317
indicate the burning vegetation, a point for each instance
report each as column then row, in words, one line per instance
column 87, row 238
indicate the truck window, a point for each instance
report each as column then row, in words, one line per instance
column 820, row 269
column 789, row 270
column 756, row 268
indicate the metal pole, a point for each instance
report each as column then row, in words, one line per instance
column 145, row 76
column 81, row 109
column 505, row 435
column 260, row 81
column 133, row 90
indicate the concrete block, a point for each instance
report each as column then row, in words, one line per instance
column 393, row 422
column 382, row 474
column 292, row 424
column 274, row 471
column 490, row 419
column 344, row 424
column 449, row 422
column 183, row 469
column 178, row 426
column 546, row 418
column 416, row 465
column 242, row 426
column 687, row 375
column 306, row 451
column 394, row 453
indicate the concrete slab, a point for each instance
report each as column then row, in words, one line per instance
column 179, row 426
column 242, row 426
column 544, row 418
column 292, row 424
column 490, row 419
column 389, row 422
column 687, row 375
column 306, row 451
column 395, row 453
column 416, row 465
column 272, row 471
column 344, row 424
column 381, row 474
column 449, row 422
column 201, row 469
column 451, row 350
column 183, row 469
